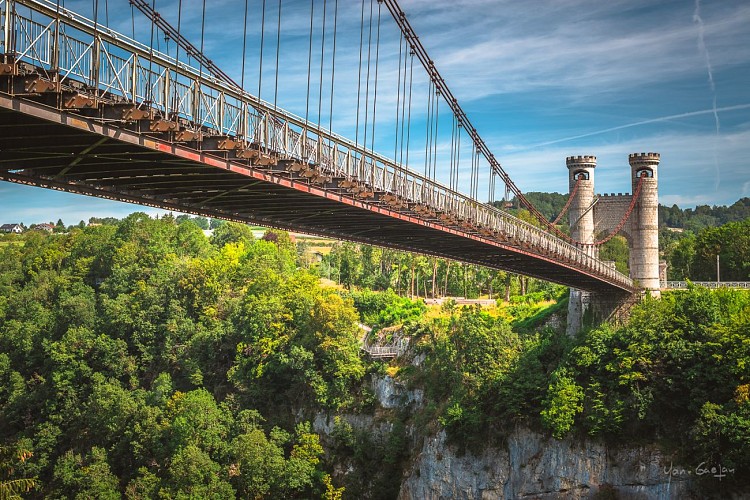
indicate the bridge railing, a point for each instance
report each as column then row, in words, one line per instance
column 90, row 58
column 683, row 285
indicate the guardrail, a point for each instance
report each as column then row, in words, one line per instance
column 683, row 285
column 397, row 348
column 82, row 56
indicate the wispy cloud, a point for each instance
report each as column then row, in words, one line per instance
column 686, row 167
column 540, row 81
column 704, row 50
column 714, row 111
column 580, row 48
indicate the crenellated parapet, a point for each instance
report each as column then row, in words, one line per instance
column 581, row 159
column 644, row 158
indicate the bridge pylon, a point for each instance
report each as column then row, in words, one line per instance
column 644, row 222
column 634, row 215
column 581, row 219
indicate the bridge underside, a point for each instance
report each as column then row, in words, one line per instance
column 44, row 147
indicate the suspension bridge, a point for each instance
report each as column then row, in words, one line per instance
column 88, row 110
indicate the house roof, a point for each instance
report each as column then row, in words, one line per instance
column 9, row 226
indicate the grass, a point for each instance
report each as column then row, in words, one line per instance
column 532, row 322
column 11, row 242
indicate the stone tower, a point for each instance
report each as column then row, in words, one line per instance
column 644, row 222
column 581, row 219
column 580, row 213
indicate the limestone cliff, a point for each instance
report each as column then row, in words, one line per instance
column 532, row 465
column 529, row 465
column 535, row 466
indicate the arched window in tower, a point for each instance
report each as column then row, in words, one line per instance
column 581, row 175
column 644, row 172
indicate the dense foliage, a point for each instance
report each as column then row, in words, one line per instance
column 677, row 374
column 677, row 371
column 481, row 377
column 702, row 216
column 693, row 256
column 143, row 358
column 408, row 274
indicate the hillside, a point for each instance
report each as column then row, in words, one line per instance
column 142, row 359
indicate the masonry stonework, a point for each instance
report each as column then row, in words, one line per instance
column 591, row 217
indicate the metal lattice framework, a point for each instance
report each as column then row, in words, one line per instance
column 74, row 56
column 684, row 285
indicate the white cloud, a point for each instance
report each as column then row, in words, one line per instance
column 579, row 47
column 686, row 172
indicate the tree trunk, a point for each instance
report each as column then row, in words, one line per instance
column 434, row 276
column 447, row 273
column 464, row 266
column 411, row 280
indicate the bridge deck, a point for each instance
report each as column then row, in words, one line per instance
column 42, row 146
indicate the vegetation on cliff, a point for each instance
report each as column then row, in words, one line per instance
column 140, row 358
column 676, row 374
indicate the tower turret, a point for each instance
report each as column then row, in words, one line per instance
column 644, row 251
column 581, row 182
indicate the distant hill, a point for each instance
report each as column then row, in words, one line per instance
column 703, row 215
column 693, row 219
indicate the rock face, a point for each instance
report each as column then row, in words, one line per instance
column 534, row 466
column 393, row 394
column 529, row 466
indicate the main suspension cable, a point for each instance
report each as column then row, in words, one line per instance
column 567, row 203
column 403, row 23
column 155, row 17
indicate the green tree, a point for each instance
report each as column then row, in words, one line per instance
column 193, row 474
column 11, row 487
column 564, row 401
column 617, row 250
column 85, row 476
column 231, row 232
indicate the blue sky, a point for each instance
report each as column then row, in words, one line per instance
column 540, row 80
